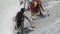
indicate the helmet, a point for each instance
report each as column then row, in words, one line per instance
column 35, row 3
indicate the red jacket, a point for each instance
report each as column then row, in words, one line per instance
column 32, row 8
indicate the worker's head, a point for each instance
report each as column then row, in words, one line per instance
column 35, row 3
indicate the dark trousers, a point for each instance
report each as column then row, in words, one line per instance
column 21, row 25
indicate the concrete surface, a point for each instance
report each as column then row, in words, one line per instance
column 47, row 25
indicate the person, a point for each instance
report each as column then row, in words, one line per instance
column 19, row 19
column 36, row 6
column 22, row 5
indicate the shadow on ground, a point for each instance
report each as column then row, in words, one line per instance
column 25, row 31
column 41, row 16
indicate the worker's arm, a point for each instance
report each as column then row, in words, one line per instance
column 40, row 3
column 41, row 7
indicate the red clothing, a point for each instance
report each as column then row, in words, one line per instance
column 33, row 10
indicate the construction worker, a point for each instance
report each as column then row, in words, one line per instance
column 36, row 6
column 19, row 19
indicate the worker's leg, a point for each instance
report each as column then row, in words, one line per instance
column 22, row 28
